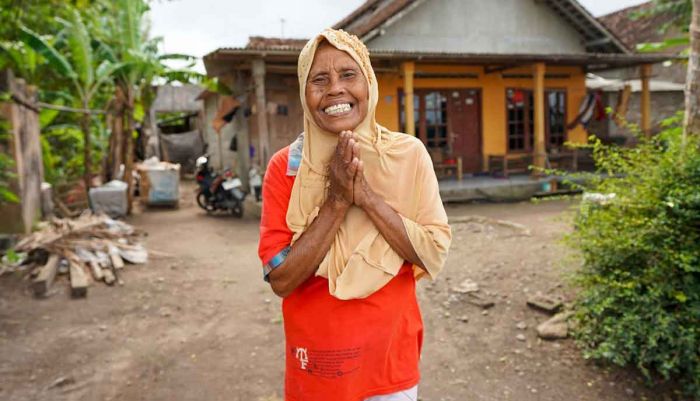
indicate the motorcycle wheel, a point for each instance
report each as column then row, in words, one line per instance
column 203, row 203
column 237, row 211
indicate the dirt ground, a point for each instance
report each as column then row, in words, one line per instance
column 199, row 323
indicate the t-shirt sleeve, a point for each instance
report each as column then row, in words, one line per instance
column 275, row 236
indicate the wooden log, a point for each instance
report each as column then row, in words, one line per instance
column 96, row 270
column 116, row 259
column 108, row 276
column 78, row 280
column 47, row 273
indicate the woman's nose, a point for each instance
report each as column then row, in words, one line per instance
column 337, row 87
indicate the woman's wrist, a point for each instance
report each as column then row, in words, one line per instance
column 338, row 204
column 368, row 199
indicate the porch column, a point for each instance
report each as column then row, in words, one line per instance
column 540, row 151
column 240, row 124
column 261, row 115
column 645, row 75
column 408, row 69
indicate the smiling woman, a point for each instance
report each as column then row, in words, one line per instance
column 351, row 218
column 337, row 92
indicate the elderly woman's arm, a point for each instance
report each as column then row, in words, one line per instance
column 309, row 250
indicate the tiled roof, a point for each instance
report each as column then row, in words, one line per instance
column 633, row 29
column 370, row 15
column 265, row 43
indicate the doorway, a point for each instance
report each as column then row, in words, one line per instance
column 448, row 122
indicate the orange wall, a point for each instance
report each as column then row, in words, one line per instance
column 493, row 88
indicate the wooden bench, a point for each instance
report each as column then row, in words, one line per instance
column 505, row 165
column 443, row 169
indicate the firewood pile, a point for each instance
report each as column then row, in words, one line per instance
column 92, row 248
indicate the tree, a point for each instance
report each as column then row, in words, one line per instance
column 691, row 123
column 128, row 42
column 79, row 65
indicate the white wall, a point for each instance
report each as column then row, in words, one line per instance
column 481, row 26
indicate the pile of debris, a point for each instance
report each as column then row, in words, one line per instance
column 92, row 247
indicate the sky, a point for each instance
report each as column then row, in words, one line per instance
column 197, row 27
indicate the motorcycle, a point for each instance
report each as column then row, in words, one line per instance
column 218, row 191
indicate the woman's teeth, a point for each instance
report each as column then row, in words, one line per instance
column 337, row 109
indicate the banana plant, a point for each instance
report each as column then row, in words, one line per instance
column 76, row 62
column 126, row 40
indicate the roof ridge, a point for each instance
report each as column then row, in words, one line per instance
column 356, row 13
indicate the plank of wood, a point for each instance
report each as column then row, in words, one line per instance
column 78, row 280
column 108, row 276
column 47, row 273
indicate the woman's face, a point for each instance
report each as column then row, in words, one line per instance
column 336, row 91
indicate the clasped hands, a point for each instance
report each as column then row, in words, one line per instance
column 347, row 180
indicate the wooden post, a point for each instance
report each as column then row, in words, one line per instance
column 23, row 147
column 646, row 99
column 261, row 105
column 691, row 124
column 409, row 69
column 540, row 151
column 240, row 125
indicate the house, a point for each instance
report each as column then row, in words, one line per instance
column 490, row 84
column 622, row 89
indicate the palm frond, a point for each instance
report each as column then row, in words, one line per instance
column 41, row 46
column 78, row 40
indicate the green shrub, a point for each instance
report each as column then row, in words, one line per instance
column 640, row 282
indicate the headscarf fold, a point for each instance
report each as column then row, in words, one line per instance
column 396, row 166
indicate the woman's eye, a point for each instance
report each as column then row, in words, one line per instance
column 349, row 74
column 319, row 80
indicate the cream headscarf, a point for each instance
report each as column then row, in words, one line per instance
column 396, row 166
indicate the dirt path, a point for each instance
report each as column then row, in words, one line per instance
column 198, row 323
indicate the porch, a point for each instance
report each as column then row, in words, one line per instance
column 514, row 188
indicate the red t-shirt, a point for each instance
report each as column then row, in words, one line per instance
column 340, row 350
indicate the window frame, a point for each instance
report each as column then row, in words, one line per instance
column 528, row 124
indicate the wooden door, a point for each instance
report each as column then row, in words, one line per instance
column 465, row 127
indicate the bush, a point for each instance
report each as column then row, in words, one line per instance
column 640, row 283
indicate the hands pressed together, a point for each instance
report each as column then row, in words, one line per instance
column 347, row 180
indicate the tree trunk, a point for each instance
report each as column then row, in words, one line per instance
column 692, row 88
column 87, row 154
column 129, row 153
column 116, row 152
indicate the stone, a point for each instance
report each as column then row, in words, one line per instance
column 62, row 381
column 544, row 303
column 481, row 302
column 467, row 286
column 521, row 337
column 464, row 319
column 555, row 328
column 521, row 325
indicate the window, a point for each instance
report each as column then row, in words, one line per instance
column 430, row 113
column 556, row 105
column 520, row 106
column 435, row 119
